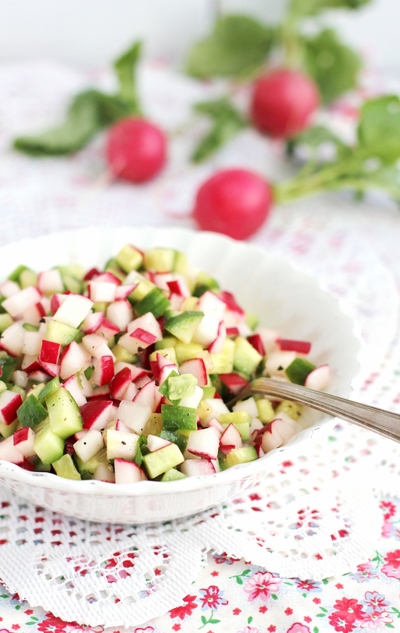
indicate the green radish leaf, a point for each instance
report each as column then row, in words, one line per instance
column 125, row 69
column 238, row 46
column 227, row 121
column 299, row 9
column 88, row 113
column 333, row 65
column 315, row 137
column 379, row 128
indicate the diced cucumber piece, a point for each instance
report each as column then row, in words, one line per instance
column 161, row 260
column 166, row 341
column 173, row 475
column 223, row 362
column 16, row 273
column 60, row 333
column 167, row 352
column 64, row 415
column 266, row 412
column 177, row 438
column 292, row 409
column 176, row 418
column 50, row 387
column 129, row 258
column 153, row 425
column 184, row 325
column 246, row 358
column 5, row 321
column 185, row 351
column 154, row 302
column 48, row 446
column 180, row 263
column 240, row 456
column 240, row 419
column 99, row 306
column 190, row 304
column 203, row 283
column 122, row 354
column 144, row 286
column 298, row 370
column 208, row 392
column 251, row 320
column 6, row 430
column 65, row 467
column 31, row 412
column 27, row 278
column 181, row 386
column 162, row 460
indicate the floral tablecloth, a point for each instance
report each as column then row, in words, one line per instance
column 352, row 247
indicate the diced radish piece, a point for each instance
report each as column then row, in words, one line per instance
column 134, row 415
column 271, row 438
column 34, row 314
column 12, row 339
column 212, row 305
column 161, row 279
column 100, row 393
column 231, row 302
column 197, row 467
column 234, row 382
column 32, row 343
column 38, row 375
column 248, row 405
column 9, row 288
column 217, row 426
column 255, row 427
column 50, row 368
column 86, row 386
column 103, row 371
column 256, row 341
column 217, row 345
column 20, row 378
column 165, row 372
column 123, row 291
column 127, row 472
column 56, row 300
column 92, row 273
column 160, row 362
column 103, row 473
column 96, row 346
column 107, row 329
column 109, row 277
column 290, row 345
column 179, row 287
column 9, row 452
column 9, row 404
column 120, row 313
column 194, row 400
column 49, row 352
column 119, row 383
column 29, row 363
column 230, row 439
column 204, row 443
column 95, row 414
column 102, row 291
column 286, row 426
column 318, row 378
column 72, row 385
column 146, row 396
column 23, row 440
column 147, row 322
column 92, row 322
column 268, row 337
column 89, row 445
column 207, row 330
column 197, row 368
column 73, row 359
column 212, row 408
column 50, row 281
column 232, row 331
column 136, row 372
column 21, row 300
column 121, row 426
column 130, row 392
column 277, row 362
column 154, row 442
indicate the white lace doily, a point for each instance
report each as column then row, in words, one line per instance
column 310, row 519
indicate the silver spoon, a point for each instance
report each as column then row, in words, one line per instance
column 383, row 422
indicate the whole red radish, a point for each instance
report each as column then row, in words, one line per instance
column 283, row 102
column 235, row 202
column 136, row 149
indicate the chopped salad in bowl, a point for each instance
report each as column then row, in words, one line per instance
column 118, row 364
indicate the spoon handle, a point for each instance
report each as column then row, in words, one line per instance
column 383, row 422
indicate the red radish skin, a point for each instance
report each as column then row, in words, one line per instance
column 290, row 345
column 283, row 102
column 136, row 150
column 235, row 202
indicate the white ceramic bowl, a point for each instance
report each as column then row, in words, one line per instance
column 283, row 297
